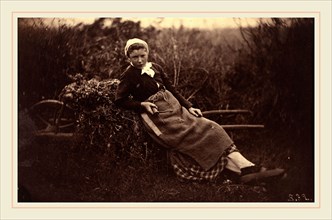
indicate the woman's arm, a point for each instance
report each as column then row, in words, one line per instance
column 123, row 92
column 167, row 83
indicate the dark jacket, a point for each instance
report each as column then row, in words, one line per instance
column 135, row 88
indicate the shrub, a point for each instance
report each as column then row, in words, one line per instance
column 43, row 60
column 190, row 55
column 51, row 53
column 104, row 127
column 273, row 74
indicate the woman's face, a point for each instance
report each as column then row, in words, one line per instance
column 138, row 58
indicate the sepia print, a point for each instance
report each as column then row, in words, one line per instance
column 253, row 78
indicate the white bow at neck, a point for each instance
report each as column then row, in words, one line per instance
column 147, row 69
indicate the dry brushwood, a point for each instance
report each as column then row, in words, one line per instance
column 104, row 126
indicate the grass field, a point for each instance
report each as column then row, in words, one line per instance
column 57, row 171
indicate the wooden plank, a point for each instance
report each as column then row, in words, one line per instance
column 233, row 111
column 53, row 134
column 242, row 126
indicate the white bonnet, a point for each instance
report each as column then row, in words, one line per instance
column 135, row 41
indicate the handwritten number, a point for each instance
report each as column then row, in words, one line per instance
column 298, row 197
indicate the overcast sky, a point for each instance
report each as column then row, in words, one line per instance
column 176, row 22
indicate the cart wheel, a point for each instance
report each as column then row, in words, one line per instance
column 52, row 116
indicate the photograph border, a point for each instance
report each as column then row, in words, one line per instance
column 81, row 13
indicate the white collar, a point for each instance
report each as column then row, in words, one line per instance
column 147, row 69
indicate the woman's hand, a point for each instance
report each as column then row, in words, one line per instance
column 195, row 111
column 150, row 107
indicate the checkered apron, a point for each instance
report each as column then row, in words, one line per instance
column 188, row 169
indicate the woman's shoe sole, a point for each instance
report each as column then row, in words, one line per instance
column 263, row 176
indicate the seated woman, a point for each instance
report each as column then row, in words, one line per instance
column 200, row 149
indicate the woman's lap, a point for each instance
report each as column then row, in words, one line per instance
column 198, row 137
